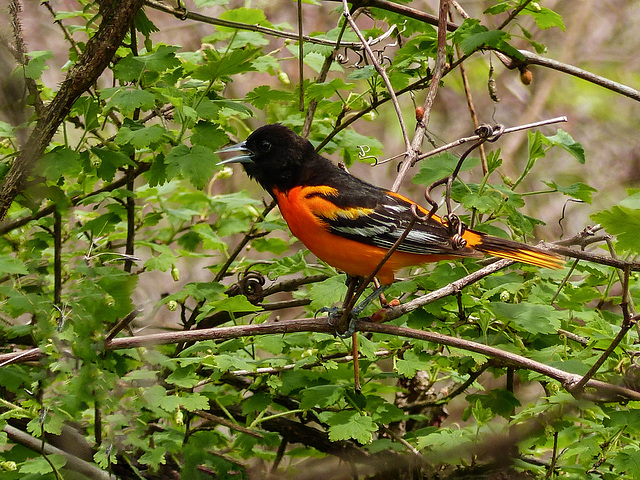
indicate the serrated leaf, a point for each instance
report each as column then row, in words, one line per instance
column 411, row 362
column 544, row 17
column 127, row 100
column 224, row 65
column 141, row 137
column 257, row 402
column 349, row 424
column 12, row 266
column 577, row 190
column 274, row 245
column 209, row 135
column 183, row 377
column 41, row 466
column 196, row 164
column 321, row 396
column 238, row 303
column 499, row 401
column 564, row 140
column 37, row 63
column 153, row 456
column 440, row 166
column 472, row 36
column 264, row 95
column 251, row 16
column 628, row 461
column 530, row 317
column 130, row 68
column 327, row 292
column 60, row 161
column 624, row 223
column 110, row 162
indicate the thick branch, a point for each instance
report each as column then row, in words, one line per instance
column 323, row 325
column 73, row 462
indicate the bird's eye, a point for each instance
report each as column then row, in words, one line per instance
column 265, row 146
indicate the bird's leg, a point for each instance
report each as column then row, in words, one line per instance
column 378, row 292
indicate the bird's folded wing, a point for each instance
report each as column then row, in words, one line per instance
column 383, row 222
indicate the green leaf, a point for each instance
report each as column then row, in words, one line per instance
column 349, row 424
column 209, row 135
column 89, row 108
column 224, row 65
column 153, row 456
column 498, row 401
column 130, row 68
column 12, row 266
column 544, row 17
column 441, row 166
column 36, row 64
column 321, row 396
column 40, row 465
column 623, row 222
column 412, row 362
column 183, row 377
column 564, row 140
column 60, row 161
column 273, row 245
column 238, row 303
column 257, row 402
column 196, row 164
column 110, row 162
column 327, row 292
column 530, row 317
column 499, row 7
column 141, row 137
column 578, row 190
column 472, row 36
column 264, row 95
column 628, row 461
column 127, row 100
column 250, row 16
column 326, row 90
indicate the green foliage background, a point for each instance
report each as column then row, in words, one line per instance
column 127, row 216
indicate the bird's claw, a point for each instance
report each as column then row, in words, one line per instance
column 334, row 317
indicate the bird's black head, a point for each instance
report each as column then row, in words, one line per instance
column 274, row 155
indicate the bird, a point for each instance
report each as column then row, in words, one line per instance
column 351, row 224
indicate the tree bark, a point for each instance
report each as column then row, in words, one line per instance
column 117, row 17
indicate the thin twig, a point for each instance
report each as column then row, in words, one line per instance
column 474, row 138
column 380, row 70
column 627, row 323
column 72, row 462
column 184, row 14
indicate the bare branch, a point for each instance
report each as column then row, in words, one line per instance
column 73, row 462
column 414, row 148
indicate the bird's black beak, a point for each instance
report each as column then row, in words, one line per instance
column 245, row 157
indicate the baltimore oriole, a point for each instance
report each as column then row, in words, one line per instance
column 351, row 224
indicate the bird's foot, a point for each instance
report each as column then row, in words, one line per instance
column 335, row 315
